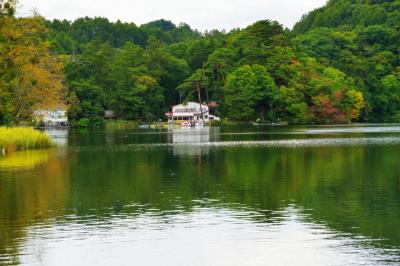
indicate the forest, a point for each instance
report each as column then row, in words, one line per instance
column 339, row 64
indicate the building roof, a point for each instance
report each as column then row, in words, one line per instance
column 190, row 104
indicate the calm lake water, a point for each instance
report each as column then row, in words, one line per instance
column 211, row 196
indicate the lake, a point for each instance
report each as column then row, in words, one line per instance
column 323, row 195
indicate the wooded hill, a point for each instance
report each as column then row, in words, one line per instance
column 339, row 64
column 361, row 38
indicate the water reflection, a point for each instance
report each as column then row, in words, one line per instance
column 25, row 159
column 351, row 129
column 103, row 199
column 59, row 136
column 33, row 188
column 188, row 141
column 204, row 236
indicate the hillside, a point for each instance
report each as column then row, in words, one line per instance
column 348, row 15
column 339, row 64
column 362, row 39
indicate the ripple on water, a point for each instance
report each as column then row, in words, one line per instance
column 351, row 129
column 289, row 143
column 227, row 236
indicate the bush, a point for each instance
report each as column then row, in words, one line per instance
column 396, row 117
column 83, row 123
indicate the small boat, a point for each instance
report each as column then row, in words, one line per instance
column 186, row 124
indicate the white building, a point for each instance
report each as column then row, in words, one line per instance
column 56, row 117
column 191, row 112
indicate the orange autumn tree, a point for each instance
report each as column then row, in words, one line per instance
column 30, row 76
column 334, row 98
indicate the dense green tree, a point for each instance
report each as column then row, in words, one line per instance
column 74, row 108
column 92, row 99
column 290, row 105
column 387, row 101
column 248, row 93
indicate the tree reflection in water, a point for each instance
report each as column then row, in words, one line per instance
column 113, row 180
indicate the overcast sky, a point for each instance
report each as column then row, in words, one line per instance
column 199, row 14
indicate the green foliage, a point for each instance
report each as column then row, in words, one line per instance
column 134, row 82
column 248, row 89
column 361, row 38
column 339, row 64
column 83, row 123
column 74, row 108
column 7, row 7
column 387, row 101
column 290, row 105
column 92, row 99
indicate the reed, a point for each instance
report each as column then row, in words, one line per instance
column 15, row 139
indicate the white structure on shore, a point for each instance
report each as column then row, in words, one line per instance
column 192, row 113
column 52, row 118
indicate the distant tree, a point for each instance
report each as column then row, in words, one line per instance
column 387, row 99
column 74, row 108
column 91, row 99
column 7, row 7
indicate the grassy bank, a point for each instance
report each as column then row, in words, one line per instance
column 120, row 124
column 15, row 139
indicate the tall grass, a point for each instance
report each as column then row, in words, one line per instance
column 14, row 139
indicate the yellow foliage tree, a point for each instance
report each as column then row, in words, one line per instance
column 30, row 76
